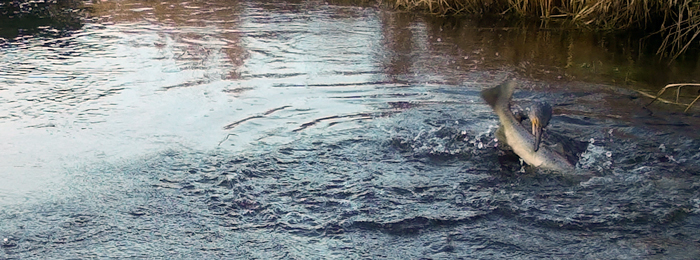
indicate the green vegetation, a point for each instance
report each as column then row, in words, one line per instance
column 678, row 22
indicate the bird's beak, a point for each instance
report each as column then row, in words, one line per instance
column 537, row 132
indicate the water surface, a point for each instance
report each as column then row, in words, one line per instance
column 292, row 129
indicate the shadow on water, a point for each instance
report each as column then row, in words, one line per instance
column 551, row 52
column 46, row 18
column 300, row 129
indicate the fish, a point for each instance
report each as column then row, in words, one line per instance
column 520, row 140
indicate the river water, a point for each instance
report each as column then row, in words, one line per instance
column 315, row 130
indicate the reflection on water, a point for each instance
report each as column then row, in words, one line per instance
column 242, row 106
column 148, row 75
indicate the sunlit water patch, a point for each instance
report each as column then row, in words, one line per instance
column 123, row 90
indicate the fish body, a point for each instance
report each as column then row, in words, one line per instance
column 518, row 137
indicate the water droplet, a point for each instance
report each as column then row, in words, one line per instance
column 481, row 145
column 592, row 140
column 608, row 154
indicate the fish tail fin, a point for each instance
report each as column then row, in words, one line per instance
column 499, row 96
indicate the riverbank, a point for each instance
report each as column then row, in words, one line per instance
column 675, row 21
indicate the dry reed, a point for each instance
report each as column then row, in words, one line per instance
column 678, row 95
column 678, row 21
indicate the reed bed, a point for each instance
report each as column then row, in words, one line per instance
column 677, row 21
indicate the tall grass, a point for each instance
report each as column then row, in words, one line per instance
column 678, row 21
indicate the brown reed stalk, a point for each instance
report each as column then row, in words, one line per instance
column 678, row 21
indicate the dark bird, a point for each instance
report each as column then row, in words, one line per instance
column 539, row 114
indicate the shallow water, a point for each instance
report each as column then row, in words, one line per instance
column 312, row 130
